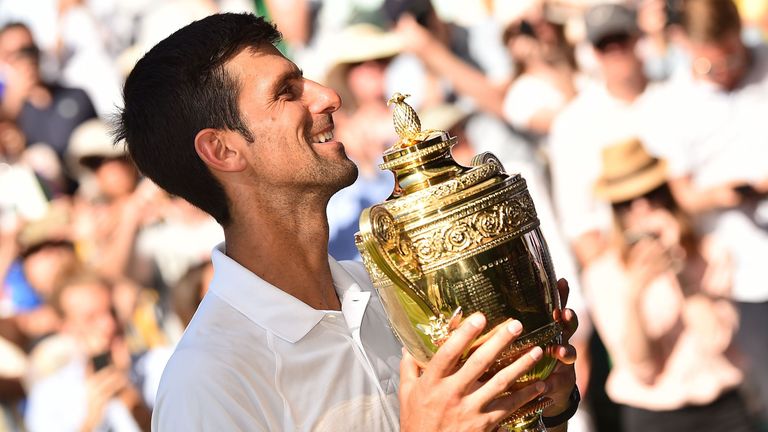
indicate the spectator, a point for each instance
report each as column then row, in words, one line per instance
column 115, row 204
column 21, row 194
column 364, row 126
column 89, row 389
column 601, row 114
column 711, row 129
column 659, row 302
column 46, row 113
column 46, row 255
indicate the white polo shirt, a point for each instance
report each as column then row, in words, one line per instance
column 718, row 137
column 257, row 359
column 594, row 120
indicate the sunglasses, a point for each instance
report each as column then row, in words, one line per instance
column 27, row 52
column 658, row 195
column 620, row 40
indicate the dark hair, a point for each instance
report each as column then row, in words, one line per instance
column 179, row 88
column 14, row 25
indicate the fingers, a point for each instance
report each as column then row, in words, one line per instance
column 409, row 373
column 108, row 381
column 563, row 289
column 480, row 360
column 503, row 379
column 562, row 378
column 500, row 408
column 570, row 323
column 564, row 353
column 447, row 357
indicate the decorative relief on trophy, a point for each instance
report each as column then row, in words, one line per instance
column 452, row 240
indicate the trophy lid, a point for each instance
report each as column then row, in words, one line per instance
column 419, row 158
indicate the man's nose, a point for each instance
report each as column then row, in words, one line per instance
column 321, row 99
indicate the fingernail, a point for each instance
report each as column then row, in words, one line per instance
column 514, row 327
column 536, row 353
column 477, row 320
column 541, row 386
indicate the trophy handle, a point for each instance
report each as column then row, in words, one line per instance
column 383, row 241
column 487, row 158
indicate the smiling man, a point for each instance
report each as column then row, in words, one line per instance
column 286, row 337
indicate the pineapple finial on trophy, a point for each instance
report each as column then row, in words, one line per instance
column 407, row 124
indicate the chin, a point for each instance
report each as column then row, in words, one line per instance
column 349, row 175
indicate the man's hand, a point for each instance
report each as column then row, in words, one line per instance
column 562, row 380
column 446, row 397
column 102, row 386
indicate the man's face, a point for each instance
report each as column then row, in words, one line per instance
column 18, row 50
column 116, row 177
column 723, row 63
column 617, row 57
column 290, row 119
column 88, row 316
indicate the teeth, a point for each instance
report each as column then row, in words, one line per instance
column 323, row 137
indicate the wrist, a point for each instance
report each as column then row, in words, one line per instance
column 553, row 419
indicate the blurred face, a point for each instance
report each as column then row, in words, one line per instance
column 88, row 316
column 117, row 178
column 290, row 118
column 44, row 267
column 12, row 141
column 723, row 63
column 366, row 81
column 644, row 217
column 18, row 50
column 617, row 58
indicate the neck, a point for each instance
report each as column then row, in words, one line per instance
column 627, row 89
column 286, row 244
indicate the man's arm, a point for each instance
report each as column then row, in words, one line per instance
column 696, row 200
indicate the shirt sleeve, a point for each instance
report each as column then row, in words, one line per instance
column 528, row 96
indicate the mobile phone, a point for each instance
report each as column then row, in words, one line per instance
column 100, row 361
column 631, row 238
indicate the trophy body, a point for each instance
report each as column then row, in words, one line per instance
column 453, row 240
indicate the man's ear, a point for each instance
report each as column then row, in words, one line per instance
column 214, row 149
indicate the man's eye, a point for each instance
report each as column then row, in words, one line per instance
column 288, row 92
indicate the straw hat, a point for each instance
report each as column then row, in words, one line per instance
column 92, row 141
column 442, row 117
column 355, row 44
column 629, row 172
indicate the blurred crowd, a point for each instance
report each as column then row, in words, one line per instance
column 638, row 125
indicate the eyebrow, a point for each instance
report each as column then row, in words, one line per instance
column 293, row 74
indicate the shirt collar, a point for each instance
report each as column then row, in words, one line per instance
column 266, row 305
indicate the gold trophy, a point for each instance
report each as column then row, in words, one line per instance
column 452, row 240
